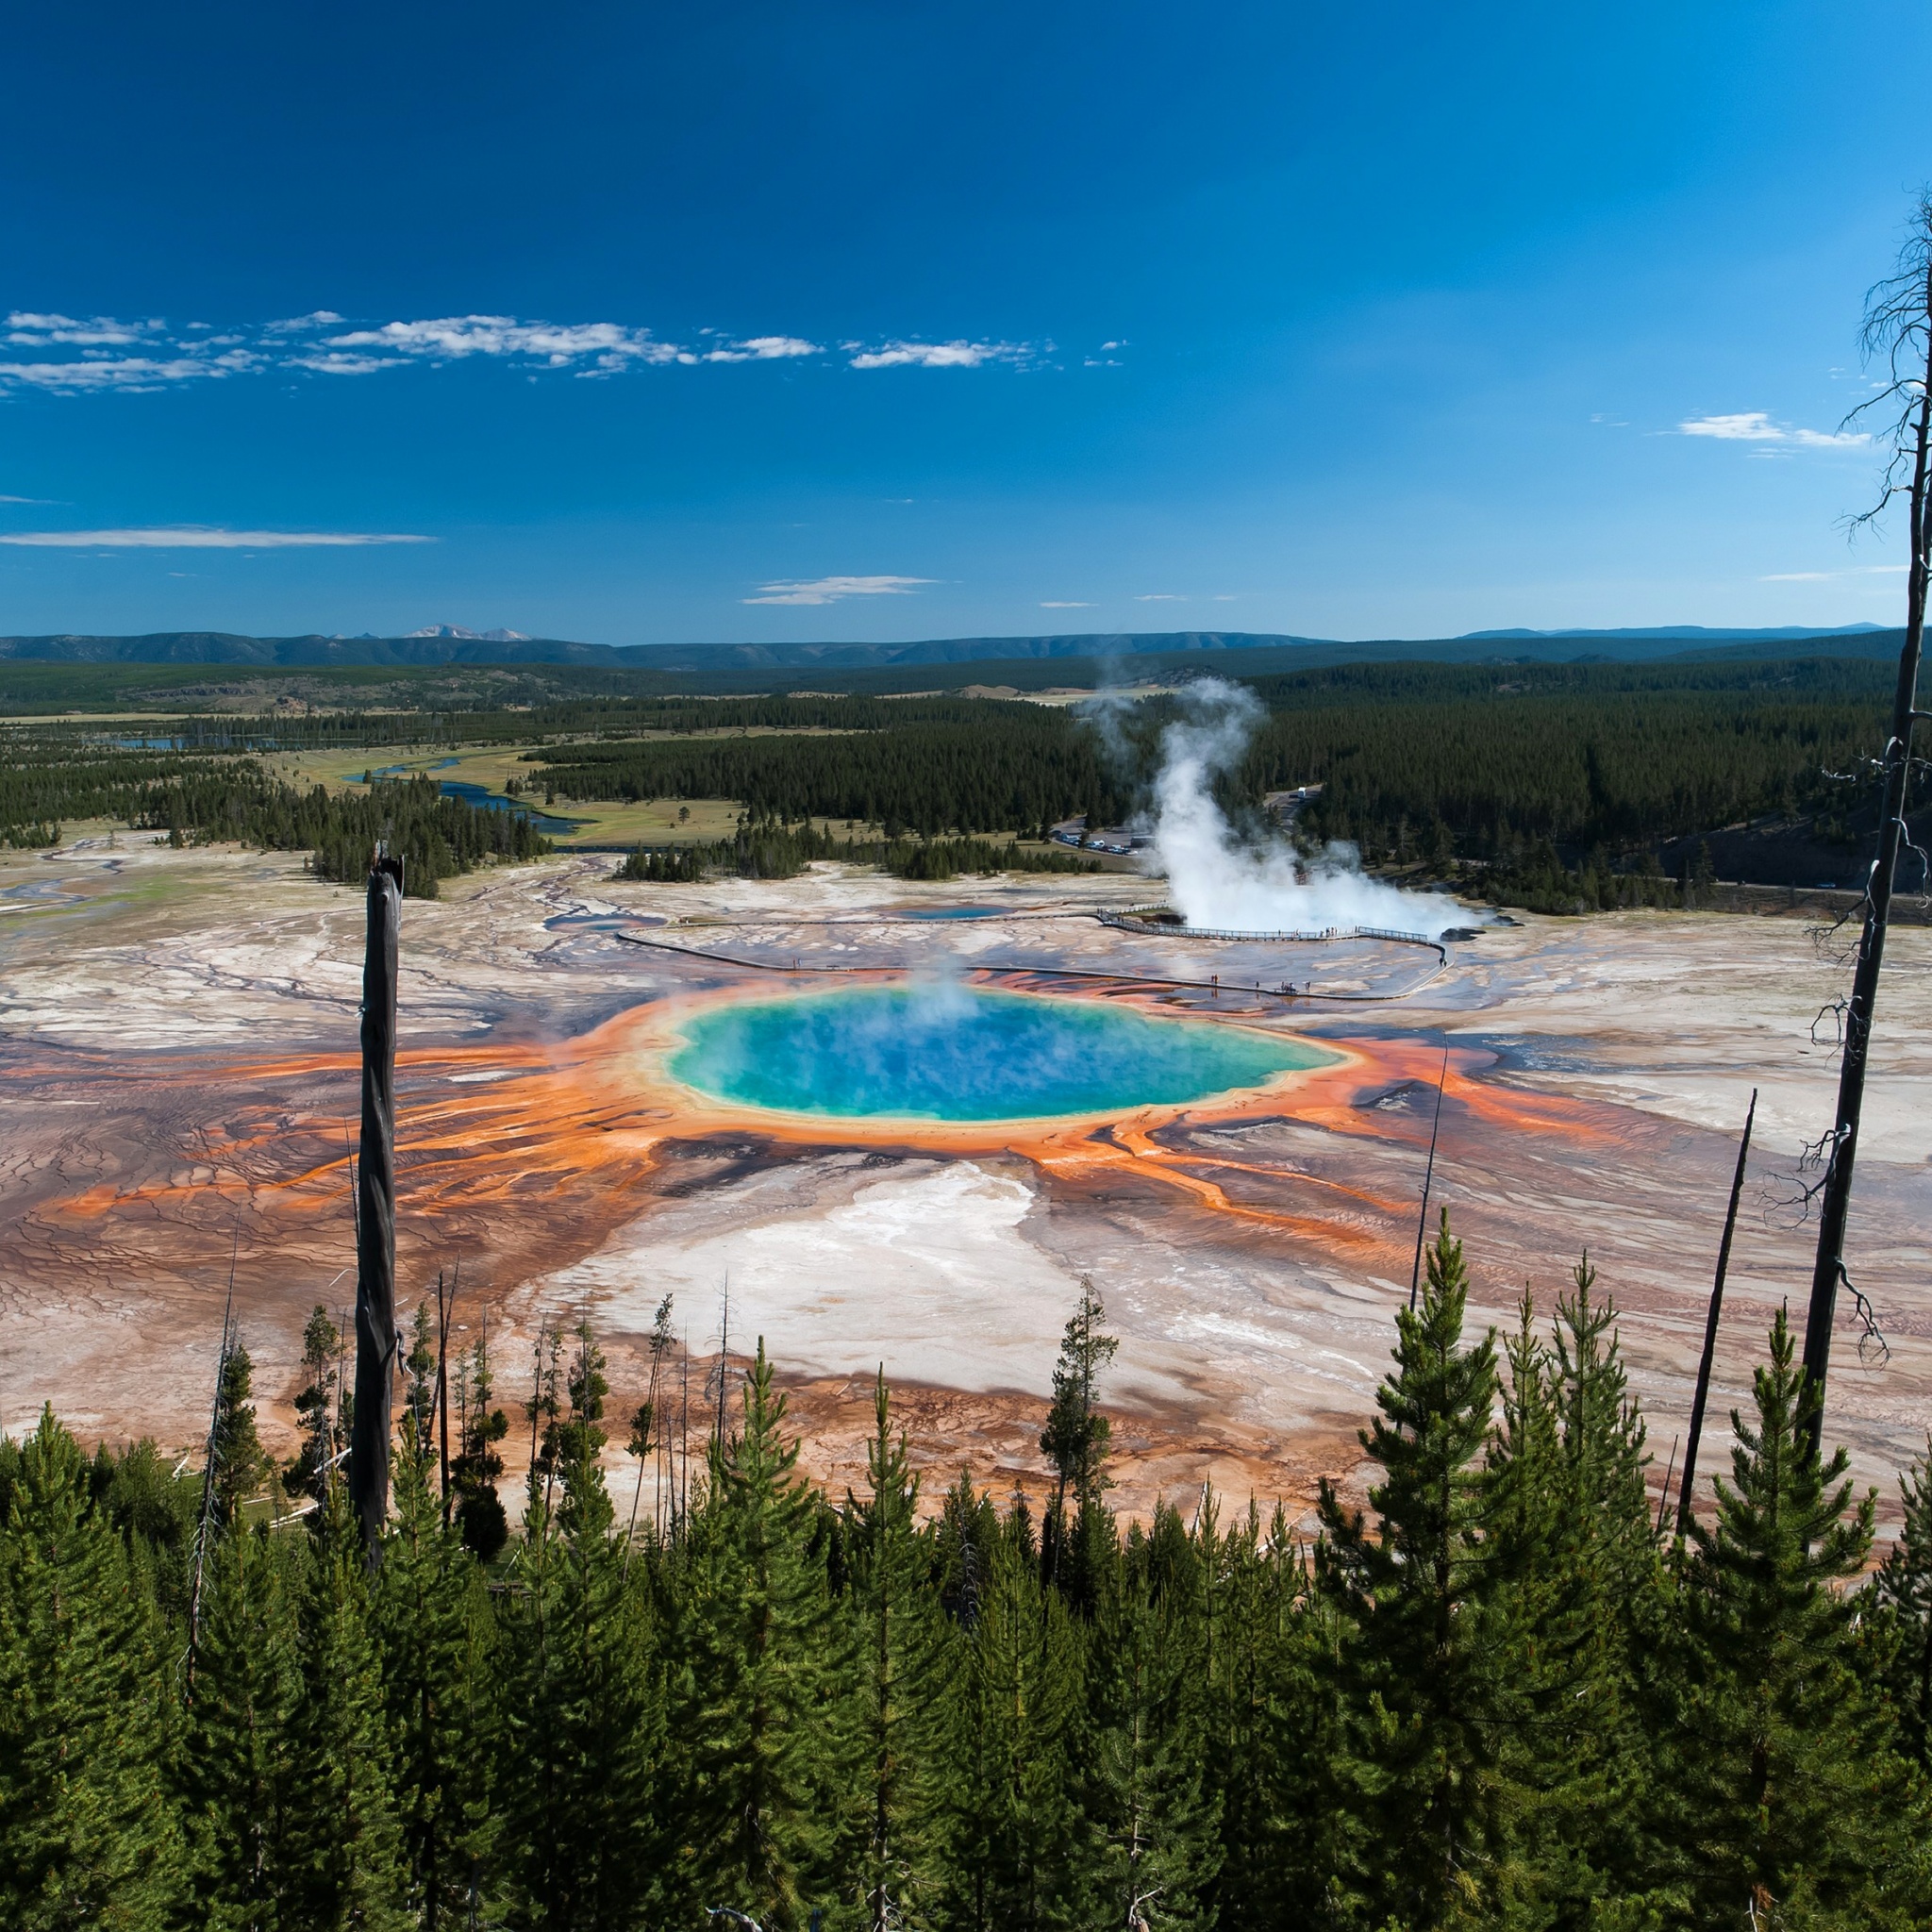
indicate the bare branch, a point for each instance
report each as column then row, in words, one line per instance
column 1837, row 1009
column 1898, row 313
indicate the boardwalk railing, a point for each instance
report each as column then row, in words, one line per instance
column 1150, row 919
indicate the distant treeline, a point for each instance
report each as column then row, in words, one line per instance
column 197, row 800
column 1550, row 777
column 1555, row 779
column 437, row 837
column 1504, row 1697
column 584, row 717
column 1580, row 755
column 771, row 850
column 993, row 768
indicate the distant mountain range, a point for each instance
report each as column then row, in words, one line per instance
column 455, row 630
column 1696, row 632
column 446, row 644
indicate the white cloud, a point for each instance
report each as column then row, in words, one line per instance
column 294, row 324
column 606, row 345
column 764, row 349
column 201, row 536
column 101, row 355
column 1753, row 426
column 1756, row 425
column 1826, row 576
column 1063, row 604
column 130, row 373
column 1159, row 597
column 937, row 355
column 28, row 330
column 337, row 362
column 830, row 589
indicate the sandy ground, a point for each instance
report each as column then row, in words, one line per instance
column 177, row 1037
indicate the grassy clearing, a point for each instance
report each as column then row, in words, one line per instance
column 599, row 821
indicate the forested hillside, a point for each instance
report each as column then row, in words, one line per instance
column 997, row 767
column 1445, row 761
column 1579, row 756
column 1507, row 1698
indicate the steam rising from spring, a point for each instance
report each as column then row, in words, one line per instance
column 1220, row 880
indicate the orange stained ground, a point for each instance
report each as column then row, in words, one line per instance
column 570, row 1132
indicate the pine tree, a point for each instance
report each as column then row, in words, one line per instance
column 1420, row 1659
column 573, row 1445
column 479, row 1512
column 87, row 1835
column 964, row 1539
column 899, row 1659
column 316, row 1408
column 156, row 1509
column 419, row 1375
column 1268, row 1747
column 347, row 1850
column 240, row 1467
column 766, row 1747
column 1018, row 1856
column 237, row 1772
column 1797, row 1809
column 1903, row 1592
column 1579, row 1602
column 432, row 1627
column 1150, row 1797
column 647, row 1434
column 584, row 1736
column 1076, row 1442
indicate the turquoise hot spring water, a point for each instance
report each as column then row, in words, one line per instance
column 952, row 1053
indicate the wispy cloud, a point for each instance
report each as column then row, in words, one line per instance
column 28, row 330
column 99, row 373
column 937, row 355
column 1757, row 426
column 603, row 347
column 202, row 537
column 302, row 325
column 1063, row 604
column 338, row 362
column 1826, row 576
column 830, row 589
column 764, row 349
column 73, row 357
column 1159, row 597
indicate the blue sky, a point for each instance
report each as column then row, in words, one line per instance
column 866, row 321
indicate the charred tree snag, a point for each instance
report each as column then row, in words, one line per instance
column 376, row 1212
column 1897, row 333
column 1717, row 1301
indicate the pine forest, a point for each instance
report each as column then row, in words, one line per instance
column 1507, row 1694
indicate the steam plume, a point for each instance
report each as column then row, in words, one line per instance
column 1217, row 879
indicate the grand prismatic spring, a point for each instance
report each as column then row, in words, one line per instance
column 943, row 1052
column 903, row 1136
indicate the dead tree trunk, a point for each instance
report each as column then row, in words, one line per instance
column 375, row 1218
column 445, row 1310
column 1421, row 1220
column 1898, row 325
column 1710, row 1320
